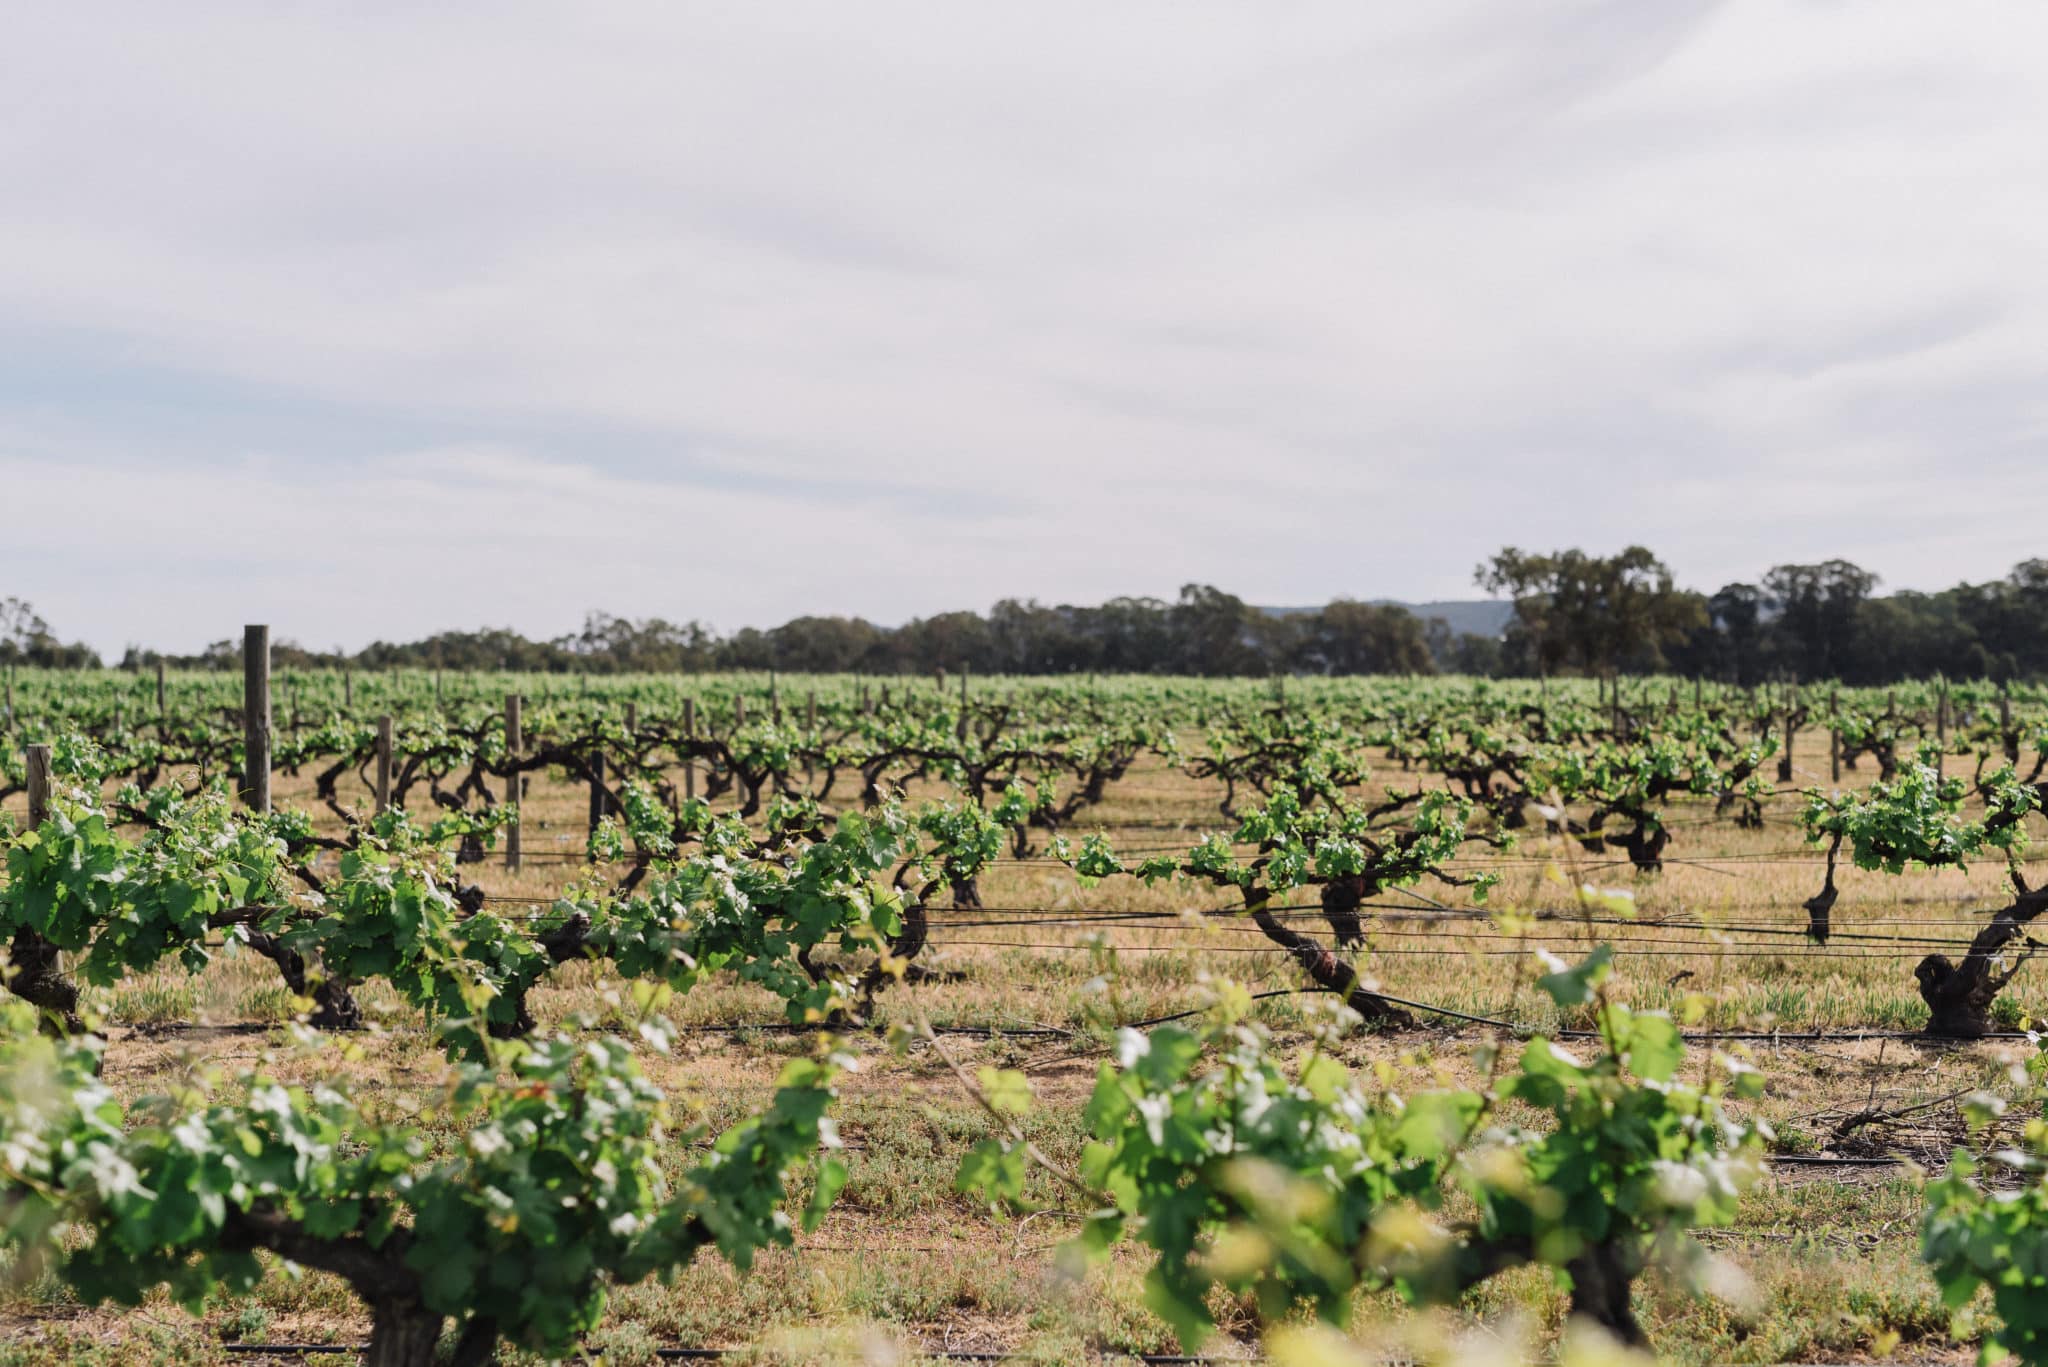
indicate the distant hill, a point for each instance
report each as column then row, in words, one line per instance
column 1467, row 616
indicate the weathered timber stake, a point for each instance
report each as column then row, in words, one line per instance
column 384, row 762
column 34, row 967
column 513, row 742
column 1834, row 740
column 256, row 718
column 689, row 734
column 1941, row 730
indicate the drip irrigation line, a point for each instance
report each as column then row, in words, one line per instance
column 1176, row 921
column 1688, row 1036
column 1850, row 1036
column 1813, row 858
column 1706, row 952
column 1447, row 1011
column 718, row 1354
column 1170, row 925
column 1388, row 911
column 815, row 1028
column 1256, row 996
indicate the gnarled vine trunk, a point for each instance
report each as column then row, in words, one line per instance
column 1341, row 898
column 1959, row 995
column 36, row 975
column 1603, row 1282
column 334, row 1006
column 905, row 944
column 1821, row 905
column 1325, row 969
column 567, row 941
column 403, row 1333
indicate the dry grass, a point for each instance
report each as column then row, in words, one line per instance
column 904, row 1265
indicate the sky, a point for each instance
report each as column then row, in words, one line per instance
column 372, row 320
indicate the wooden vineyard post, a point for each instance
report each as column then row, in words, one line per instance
column 10, row 696
column 1941, row 730
column 1791, row 730
column 739, row 721
column 774, row 699
column 597, row 796
column 384, row 762
column 256, row 718
column 689, row 760
column 633, row 721
column 513, row 742
column 36, row 764
column 960, row 730
column 2006, row 734
column 810, row 737
column 38, row 780
column 1834, row 739
column 162, row 714
column 1695, row 692
column 34, row 965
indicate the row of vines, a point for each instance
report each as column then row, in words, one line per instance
column 798, row 836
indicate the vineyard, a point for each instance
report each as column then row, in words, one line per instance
column 823, row 1018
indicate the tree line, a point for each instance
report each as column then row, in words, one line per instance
column 1581, row 613
column 1202, row 631
column 1573, row 612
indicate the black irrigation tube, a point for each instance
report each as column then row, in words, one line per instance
column 990, row 1031
column 1690, row 1037
column 1814, row 1036
column 1620, row 948
column 717, row 1354
column 971, row 1031
column 1167, row 922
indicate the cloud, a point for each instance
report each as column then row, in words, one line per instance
column 499, row 313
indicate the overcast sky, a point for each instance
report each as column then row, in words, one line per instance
column 370, row 320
